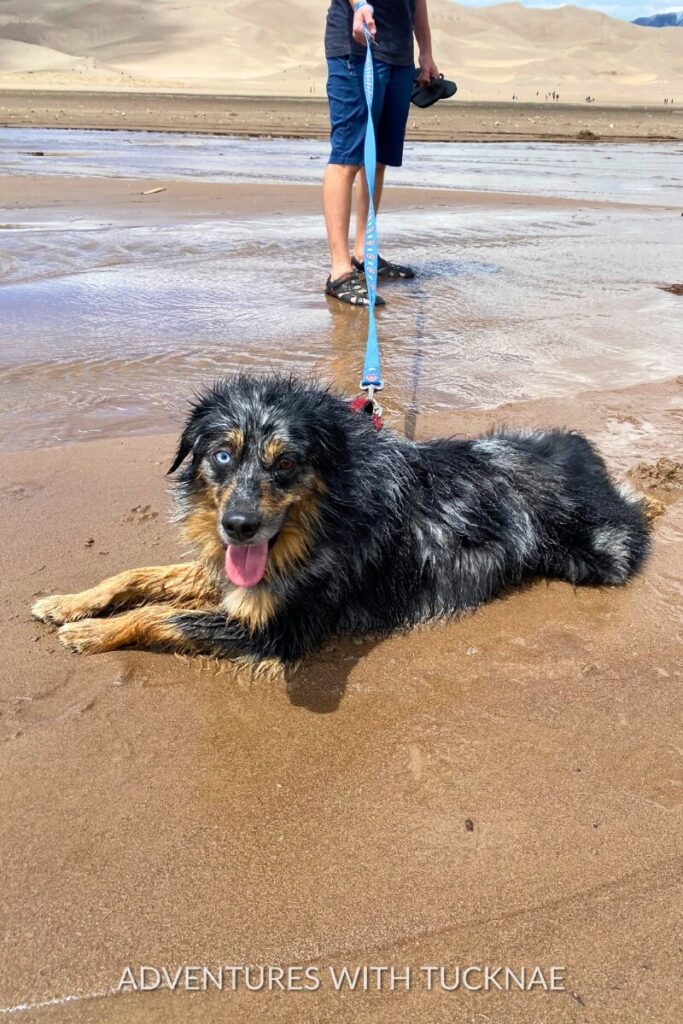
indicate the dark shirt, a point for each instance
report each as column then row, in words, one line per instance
column 395, row 20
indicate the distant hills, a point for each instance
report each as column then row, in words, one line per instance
column 661, row 20
column 248, row 47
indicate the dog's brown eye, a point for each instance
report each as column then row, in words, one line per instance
column 285, row 464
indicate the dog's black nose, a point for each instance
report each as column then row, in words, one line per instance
column 240, row 528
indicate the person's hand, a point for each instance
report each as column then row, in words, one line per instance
column 364, row 16
column 428, row 69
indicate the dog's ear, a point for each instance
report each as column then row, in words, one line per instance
column 188, row 440
column 183, row 450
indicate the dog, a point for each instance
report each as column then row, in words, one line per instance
column 308, row 521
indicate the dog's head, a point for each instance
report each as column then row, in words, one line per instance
column 258, row 452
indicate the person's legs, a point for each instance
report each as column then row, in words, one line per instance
column 390, row 129
column 337, row 194
column 347, row 128
column 348, row 119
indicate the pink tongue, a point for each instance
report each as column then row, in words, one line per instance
column 246, row 564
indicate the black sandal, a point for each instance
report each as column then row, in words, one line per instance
column 438, row 89
column 350, row 288
column 386, row 270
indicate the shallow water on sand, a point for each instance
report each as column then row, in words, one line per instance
column 634, row 173
column 108, row 326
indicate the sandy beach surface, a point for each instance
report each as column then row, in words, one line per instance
column 502, row 790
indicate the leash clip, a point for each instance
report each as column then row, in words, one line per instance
column 368, row 405
column 376, row 407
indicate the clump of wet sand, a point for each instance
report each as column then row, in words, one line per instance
column 657, row 481
column 663, row 475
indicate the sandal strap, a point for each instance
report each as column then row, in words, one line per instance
column 393, row 268
column 349, row 287
column 385, row 267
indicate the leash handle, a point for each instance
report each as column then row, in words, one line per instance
column 372, row 374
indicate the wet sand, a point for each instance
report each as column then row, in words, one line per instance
column 449, row 121
column 506, row 789
column 501, row 790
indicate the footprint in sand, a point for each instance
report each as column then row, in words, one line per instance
column 629, row 426
column 21, row 492
column 140, row 514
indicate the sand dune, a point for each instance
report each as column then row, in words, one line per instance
column 247, row 47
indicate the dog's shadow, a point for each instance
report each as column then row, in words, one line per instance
column 320, row 683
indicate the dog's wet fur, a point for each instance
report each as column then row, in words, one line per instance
column 367, row 531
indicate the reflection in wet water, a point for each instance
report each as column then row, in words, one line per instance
column 107, row 328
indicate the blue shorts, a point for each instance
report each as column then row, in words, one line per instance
column 349, row 113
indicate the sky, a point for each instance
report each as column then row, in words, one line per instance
column 626, row 9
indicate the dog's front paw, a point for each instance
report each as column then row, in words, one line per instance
column 89, row 636
column 61, row 608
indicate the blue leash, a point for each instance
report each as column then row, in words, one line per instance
column 372, row 374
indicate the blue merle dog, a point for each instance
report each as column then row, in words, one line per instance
column 307, row 522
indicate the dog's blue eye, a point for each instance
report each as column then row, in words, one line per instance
column 222, row 458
